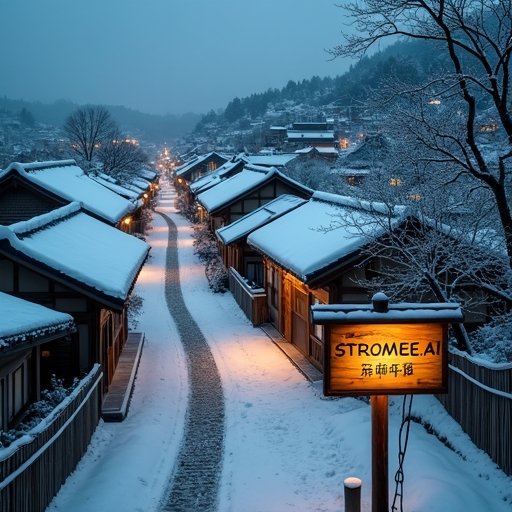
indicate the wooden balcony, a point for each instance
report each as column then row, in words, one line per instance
column 252, row 301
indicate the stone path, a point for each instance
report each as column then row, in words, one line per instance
column 195, row 482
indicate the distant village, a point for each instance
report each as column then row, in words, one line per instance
column 278, row 225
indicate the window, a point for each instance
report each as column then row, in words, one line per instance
column 318, row 330
column 6, row 276
column 273, row 286
column 18, row 390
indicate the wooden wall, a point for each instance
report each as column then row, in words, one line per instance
column 32, row 474
column 479, row 398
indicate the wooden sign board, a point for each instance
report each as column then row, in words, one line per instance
column 384, row 359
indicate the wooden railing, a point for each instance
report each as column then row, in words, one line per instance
column 34, row 467
column 252, row 301
column 480, row 399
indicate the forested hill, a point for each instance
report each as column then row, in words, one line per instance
column 155, row 128
column 411, row 62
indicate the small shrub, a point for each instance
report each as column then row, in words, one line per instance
column 205, row 246
column 135, row 306
column 217, row 276
column 36, row 412
column 494, row 340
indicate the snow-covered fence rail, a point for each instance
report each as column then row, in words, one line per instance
column 480, row 399
column 252, row 301
column 33, row 468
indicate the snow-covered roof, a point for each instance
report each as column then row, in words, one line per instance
column 187, row 166
column 111, row 184
column 319, row 149
column 259, row 217
column 76, row 246
column 65, row 179
column 320, row 234
column 279, row 160
column 25, row 322
column 300, row 134
column 140, row 183
column 213, row 178
column 147, row 174
column 231, row 189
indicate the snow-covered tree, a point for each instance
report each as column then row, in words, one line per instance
column 87, row 129
column 458, row 125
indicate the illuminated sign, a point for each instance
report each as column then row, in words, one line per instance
column 374, row 359
column 385, row 349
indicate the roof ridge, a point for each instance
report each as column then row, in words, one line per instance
column 28, row 227
column 39, row 166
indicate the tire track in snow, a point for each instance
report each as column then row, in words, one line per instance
column 195, row 482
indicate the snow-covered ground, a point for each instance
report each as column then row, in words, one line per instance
column 286, row 446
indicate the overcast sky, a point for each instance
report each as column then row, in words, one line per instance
column 163, row 56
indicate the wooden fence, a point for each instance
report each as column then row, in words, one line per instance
column 252, row 301
column 34, row 467
column 480, row 399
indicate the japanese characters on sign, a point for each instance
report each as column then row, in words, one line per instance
column 375, row 359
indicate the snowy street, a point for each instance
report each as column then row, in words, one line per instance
column 286, row 447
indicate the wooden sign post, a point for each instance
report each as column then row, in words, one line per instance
column 381, row 349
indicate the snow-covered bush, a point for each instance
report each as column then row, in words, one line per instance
column 188, row 211
column 134, row 309
column 50, row 398
column 217, row 276
column 205, row 246
column 494, row 340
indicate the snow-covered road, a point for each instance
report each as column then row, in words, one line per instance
column 286, row 446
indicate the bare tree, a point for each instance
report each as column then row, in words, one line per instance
column 120, row 156
column 88, row 129
column 445, row 119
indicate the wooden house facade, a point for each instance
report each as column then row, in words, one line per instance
column 27, row 190
column 197, row 167
column 308, row 260
column 235, row 251
column 68, row 261
column 27, row 331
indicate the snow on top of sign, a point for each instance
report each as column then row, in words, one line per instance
column 282, row 204
column 81, row 247
column 320, row 233
column 396, row 313
column 23, row 321
column 67, row 180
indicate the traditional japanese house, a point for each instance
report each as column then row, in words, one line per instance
column 236, row 253
column 312, row 254
column 27, row 190
column 277, row 160
column 302, row 135
column 72, row 262
column 27, row 330
column 209, row 180
column 330, row 154
column 241, row 194
column 197, row 167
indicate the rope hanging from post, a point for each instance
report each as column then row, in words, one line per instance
column 403, row 440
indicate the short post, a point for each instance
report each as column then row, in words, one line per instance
column 352, row 494
column 380, row 491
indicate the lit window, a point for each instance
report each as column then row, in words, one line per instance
column 395, row 182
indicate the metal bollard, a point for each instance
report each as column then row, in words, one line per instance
column 352, row 494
